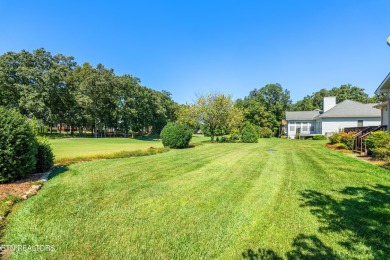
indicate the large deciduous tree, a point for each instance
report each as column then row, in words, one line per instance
column 265, row 107
column 55, row 90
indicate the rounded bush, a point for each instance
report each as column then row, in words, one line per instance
column 44, row 155
column 249, row 133
column 319, row 137
column 176, row 135
column 18, row 146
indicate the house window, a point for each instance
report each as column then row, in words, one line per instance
column 304, row 128
column 360, row 123
column 292, row 128
column 312, row 128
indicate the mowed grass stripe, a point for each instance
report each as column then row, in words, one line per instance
column 212, row 201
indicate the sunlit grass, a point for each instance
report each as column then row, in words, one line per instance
column 80, row 149
column 276, row 199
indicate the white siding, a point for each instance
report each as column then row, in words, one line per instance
column 385, row 115
column 334, row 125
column 388, row 111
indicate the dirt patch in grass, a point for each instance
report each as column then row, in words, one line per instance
column 20, row 187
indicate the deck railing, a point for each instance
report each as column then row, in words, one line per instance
column 359, row 141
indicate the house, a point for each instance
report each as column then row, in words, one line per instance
column 332, row 119
column 384, row 88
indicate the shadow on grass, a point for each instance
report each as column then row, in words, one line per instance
column 261, row 253
column 361, row 214
column 304, row 247
column 310, row 247
column 57, row 171
column 151, row 138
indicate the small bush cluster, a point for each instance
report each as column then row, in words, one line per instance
column 249, row 134
column 176, row 135
column 234, row 135
column 224, row 139
column 265, row 132
column 378, row 144
column 319, row 137
column 343, row 138
column 21, row 153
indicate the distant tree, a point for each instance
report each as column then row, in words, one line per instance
column 55, row 90
column 344, row 92
column 215, row 113
column 266, row 107
column 188, row 114
column 218, row 115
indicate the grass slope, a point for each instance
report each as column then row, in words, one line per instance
column 222, row 201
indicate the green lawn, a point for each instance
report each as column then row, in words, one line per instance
column 224, row 201
column 75, row 147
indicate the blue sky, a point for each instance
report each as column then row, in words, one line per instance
column 190, row 47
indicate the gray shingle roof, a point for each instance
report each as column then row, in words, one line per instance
column 349, row 108
column 301, row 115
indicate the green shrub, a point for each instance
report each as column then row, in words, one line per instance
column 223, row 139
column 249, row 133
column 341, row 146
column 319, row 137
column 344, row 138
column 265, row 132
column 44, row 155
column 234, row 135
column 347, row 139
column 335, row 138
column 377, row 139
column 18, row 146
column 378, row 144
column 176, row 135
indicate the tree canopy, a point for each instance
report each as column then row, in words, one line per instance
column 215, row 113
column 56, row 90
column 344, row 92
column 265, row 107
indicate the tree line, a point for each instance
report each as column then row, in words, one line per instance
column 344, row 92
column 54, row 89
